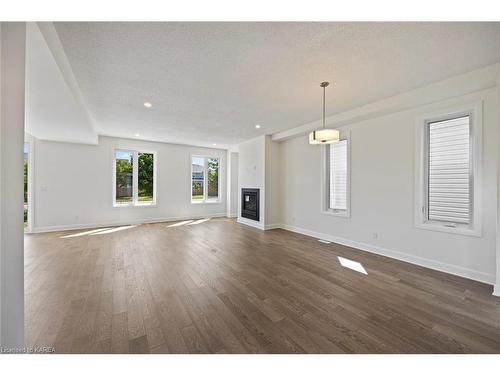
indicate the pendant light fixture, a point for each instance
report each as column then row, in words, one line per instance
column 324, row 135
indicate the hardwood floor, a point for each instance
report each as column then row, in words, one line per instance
column 221, row 287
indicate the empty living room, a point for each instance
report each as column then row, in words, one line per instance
column 204, row 191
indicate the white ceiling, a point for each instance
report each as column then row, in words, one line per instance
column 212, row 82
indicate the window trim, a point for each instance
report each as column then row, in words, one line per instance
column 205, row 183
column 325, row 180
column 474, row 111
column 135, row 178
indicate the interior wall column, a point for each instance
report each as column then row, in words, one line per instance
column 496, row 289
column 232, row 184
column 12, row 84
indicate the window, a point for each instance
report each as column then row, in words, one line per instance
column 124, row 176
column 145, row 177
column 205, row 179
column 337, row 178
column 449, row 171
column 135, row 178
column 449, row 168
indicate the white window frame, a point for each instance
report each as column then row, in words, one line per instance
column 135, row 178
column 205, row 181
column 325, row 179
column 475, row 113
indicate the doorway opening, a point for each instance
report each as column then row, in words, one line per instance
column 27, row 187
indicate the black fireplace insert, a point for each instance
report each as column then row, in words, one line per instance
column 250, row 204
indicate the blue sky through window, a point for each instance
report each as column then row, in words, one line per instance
column 198, row 161
column 125, row 155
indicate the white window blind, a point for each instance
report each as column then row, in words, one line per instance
column 338, row 175
column 449, row 171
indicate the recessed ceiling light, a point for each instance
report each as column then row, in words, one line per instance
column 257, row 126
column 147, row 104
column 214, row 144
column 136, row 134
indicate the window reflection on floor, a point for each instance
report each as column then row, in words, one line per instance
column 199, row 221
column 84, row 233
column 180, row 223
column 108, row 230
column 113, row 230
column 95, row 232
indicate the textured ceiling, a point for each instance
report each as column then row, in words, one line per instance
column 212, row 82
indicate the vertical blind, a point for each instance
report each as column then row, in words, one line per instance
column 449, row 168
column 338, row 175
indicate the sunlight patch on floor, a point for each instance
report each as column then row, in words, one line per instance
column 199, row 221
column 85, row 233
column 351, row 264
column 98, row 231
column 180, row 223
column 113, row 230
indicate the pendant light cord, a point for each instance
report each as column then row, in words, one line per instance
column 324, row 105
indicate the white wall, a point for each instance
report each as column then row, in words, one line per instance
column 497, row 286
column 382, row 197
column 232, row 184
column 12, row 58
column 74, row 184
column 273, row 207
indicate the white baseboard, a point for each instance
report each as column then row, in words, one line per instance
column 273, row 226
column 258, row 224
column 231, row 216
column 251, row 223
column 496, row 290
column 424, row 262
column 58, row 228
